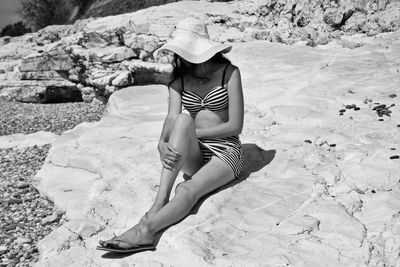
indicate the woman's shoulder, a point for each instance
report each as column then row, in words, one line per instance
column 230, row 69
column 176, row 84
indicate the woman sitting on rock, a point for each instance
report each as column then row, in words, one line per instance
column 204, row 144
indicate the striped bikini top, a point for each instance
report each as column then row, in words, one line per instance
column 216, row 100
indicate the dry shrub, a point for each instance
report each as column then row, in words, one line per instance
column 15, row 29
column 37, row 14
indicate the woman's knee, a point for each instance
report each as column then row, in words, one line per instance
column 183, row 122
column 186, row 191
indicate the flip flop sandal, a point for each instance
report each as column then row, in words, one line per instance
column 134, row 248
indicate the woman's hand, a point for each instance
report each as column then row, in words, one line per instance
column 168, row 155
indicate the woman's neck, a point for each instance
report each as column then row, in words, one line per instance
column 203, row 70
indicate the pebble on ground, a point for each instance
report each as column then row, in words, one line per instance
column 26, row 217
column 28, row 118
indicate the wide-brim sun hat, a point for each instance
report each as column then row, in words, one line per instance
column 192, row 42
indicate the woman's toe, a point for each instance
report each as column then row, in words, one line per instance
column 106, row 243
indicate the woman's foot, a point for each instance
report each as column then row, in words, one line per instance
column 137, row 236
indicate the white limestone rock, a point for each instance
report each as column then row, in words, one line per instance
column 103, row 81
column 123, row 79
column 44, row 75
column 148, row 72
column 26, row 140
column 110, row 54
column 105, row 174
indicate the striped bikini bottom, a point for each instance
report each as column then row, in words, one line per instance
column 228, row 149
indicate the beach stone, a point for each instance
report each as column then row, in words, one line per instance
column 3, row 249
column 23, row 240
column 12, row 255
column 26, row 247
column 49, row 219
column 12, row 201
column 22, row 185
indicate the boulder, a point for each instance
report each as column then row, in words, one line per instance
column 88, row 94
column 91, row 39
column 87, row 90
column 231, row 35
column 44, row 75
column 46, row 62
column 102, row 81
column 148, row 72
column 389, row 18
column 110, row 54
column 333, row 17
column 39, row 91
column 145, row 42
column 47, row 37
column 123, row 79
column 109, row 89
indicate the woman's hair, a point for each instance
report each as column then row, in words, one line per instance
column 180, row 69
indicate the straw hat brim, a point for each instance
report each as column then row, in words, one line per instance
column 195, row 51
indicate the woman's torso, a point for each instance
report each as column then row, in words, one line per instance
column 207, row 102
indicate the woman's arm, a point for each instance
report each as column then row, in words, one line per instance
column 168, row 154
column 234, row 125
column 174, row 109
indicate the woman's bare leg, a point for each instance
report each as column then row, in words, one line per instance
column 183, row 139
column 211, row 176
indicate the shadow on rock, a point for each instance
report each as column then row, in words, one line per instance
column 116, row 255
column 255, row 158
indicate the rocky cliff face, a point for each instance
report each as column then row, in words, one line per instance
column 321, row 20
column 95, row 57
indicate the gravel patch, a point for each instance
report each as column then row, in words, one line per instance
column 23, row 211
column 28, row 118
column 26, row 217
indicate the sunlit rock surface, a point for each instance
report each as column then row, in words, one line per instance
column 26, row 140
column 318, row 188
